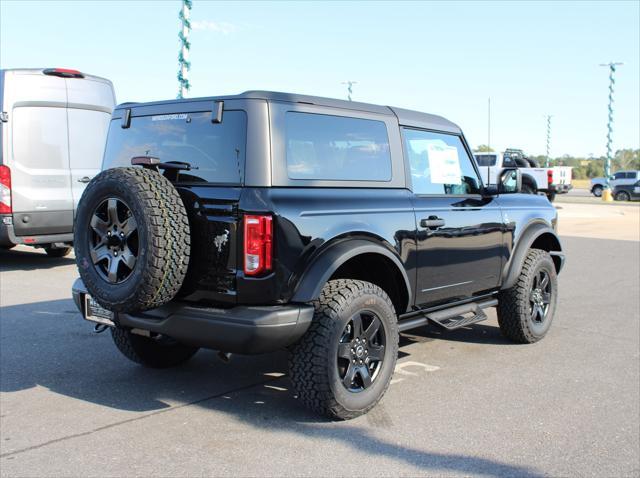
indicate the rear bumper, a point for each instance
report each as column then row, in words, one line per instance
column 9, row 238
column 561, row 188
column 240, row 329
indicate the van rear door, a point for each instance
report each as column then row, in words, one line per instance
column 90, row 103
column 39, row 162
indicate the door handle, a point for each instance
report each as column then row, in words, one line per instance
column 432, row 222
column 85, row 179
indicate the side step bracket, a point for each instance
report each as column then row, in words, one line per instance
column 451, row 318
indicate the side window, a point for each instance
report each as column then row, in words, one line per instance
column 336, row 148
column 619, row 176
column 439, row 163
column 486, row 159
column 508, row 162
column 631, row 175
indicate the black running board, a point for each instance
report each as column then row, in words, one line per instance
column 451, row 318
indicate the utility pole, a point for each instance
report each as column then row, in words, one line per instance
column 548, row 138
column 183, row 56
column 349, row 88
column 607, row 165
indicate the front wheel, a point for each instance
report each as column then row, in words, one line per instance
column 160, row 352
column 525, row 311
column 343, row 365
column 597, row 191
column 528, row 189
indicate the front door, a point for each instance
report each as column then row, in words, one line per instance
column 458, row 231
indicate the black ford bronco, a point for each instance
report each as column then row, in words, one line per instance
column 262, row 221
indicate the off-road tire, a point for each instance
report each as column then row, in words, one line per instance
column 163, row 239
column 514, row 313
column 57, row 251
column 622, row 196
column 151, row 352
column 312, row 360
column 597, row 191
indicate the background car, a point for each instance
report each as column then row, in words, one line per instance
column 627, row 192
column 616, row 179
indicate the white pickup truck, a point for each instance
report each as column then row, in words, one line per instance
column 535, row 180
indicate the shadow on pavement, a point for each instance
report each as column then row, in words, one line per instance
column 46, row 344
column 20, row 260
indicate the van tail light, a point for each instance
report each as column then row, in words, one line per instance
column 258, row 245
column 63, row 73
column 549, row 177
column 5, row 190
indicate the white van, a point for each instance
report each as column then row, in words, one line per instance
column 54, row 127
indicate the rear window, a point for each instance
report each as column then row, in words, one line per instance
column 486, row 159
column 336, row 148
column 216, row 152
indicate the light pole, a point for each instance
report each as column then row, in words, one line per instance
column 548, row 138
column 607, row 165
column 349, row 88
column 183, row 56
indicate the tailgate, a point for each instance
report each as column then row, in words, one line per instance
column 562, row 175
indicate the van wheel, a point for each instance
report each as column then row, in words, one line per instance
column 57, row 251
column 343, row 365
column 162, row 352
column 526, row 310
column 132, row 240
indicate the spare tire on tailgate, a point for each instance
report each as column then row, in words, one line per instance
column 131, row 241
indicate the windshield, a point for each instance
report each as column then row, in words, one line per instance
column 216, row 152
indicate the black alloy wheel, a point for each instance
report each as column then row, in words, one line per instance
column 361, row 351
column 540, row 297
column 113, row 240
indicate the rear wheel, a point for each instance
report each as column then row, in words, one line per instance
column 57, row 251
column 526, row 310
column 597, row 191
column 622, row 196
column 161, row 352
column 343, row 365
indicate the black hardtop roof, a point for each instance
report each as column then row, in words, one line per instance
column 405, row 117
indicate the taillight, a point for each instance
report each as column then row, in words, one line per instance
column 63, row 73
column 258, row 244
column 5, row 190
column 549, row 177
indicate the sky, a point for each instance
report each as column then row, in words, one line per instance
column 531, row 58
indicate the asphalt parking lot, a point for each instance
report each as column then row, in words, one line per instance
column 461, row 403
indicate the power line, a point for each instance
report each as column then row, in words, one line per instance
column 183, row 56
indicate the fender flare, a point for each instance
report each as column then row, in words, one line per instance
column 512, row 269
column 322, row 268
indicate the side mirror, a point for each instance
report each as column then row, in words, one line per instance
column 510, row 181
